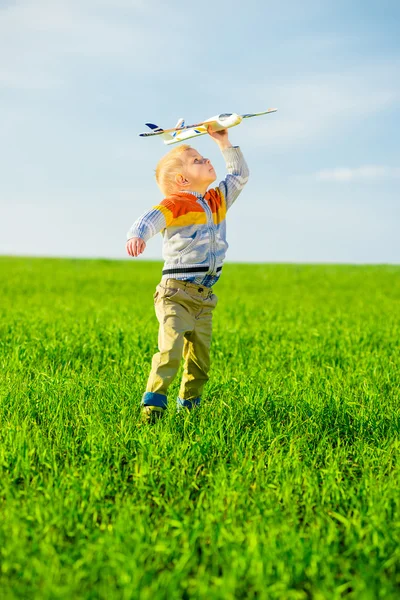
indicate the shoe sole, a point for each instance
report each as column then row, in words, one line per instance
column 152, row 414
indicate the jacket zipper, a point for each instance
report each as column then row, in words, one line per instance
column 213, row 258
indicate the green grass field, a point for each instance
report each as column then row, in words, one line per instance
column 285, row 485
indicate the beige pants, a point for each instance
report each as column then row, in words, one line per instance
column 184, row 312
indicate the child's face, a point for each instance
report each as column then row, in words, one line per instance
column 198, row 172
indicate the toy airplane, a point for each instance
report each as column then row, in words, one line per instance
column 182, row 132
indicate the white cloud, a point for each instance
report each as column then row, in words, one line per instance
column 317, row 105
column 41, row 42
column 367, row 173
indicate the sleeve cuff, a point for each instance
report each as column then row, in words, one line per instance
column 132, row 233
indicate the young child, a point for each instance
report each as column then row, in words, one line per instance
column 192, row 221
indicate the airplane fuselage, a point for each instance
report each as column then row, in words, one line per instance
column 217, row 123
column 224, row 121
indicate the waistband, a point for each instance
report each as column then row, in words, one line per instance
column 190, row 287
column 187, row 270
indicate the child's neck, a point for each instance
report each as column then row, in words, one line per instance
column 201, row 191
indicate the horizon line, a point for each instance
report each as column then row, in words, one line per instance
column 160, row 261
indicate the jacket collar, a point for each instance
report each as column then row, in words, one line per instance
column 197, row 194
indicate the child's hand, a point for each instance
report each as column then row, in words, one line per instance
column 135, row 246
column 221, row 137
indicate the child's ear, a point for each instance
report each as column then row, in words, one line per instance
column 181, row 180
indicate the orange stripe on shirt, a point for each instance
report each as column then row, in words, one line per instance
column 183, row 209
column 216, row 201
column 166, row 212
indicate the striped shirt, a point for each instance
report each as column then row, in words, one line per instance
column 194, row 226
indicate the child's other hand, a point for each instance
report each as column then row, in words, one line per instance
column 221, row 137
column 135, row 246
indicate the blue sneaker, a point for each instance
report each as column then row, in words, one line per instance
column 189, row 404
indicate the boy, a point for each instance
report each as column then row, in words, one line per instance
column 192, row 221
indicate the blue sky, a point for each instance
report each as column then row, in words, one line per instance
column 79, row 78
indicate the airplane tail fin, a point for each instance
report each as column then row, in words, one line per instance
column 179, row 125
column 156, row 129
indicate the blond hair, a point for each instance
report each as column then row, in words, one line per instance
column 168, row 167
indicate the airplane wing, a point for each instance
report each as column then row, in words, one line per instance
column 270, row 110
column 182, row 136
column 160, row 131
column 183, row 132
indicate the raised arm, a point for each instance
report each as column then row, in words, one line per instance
column 236, row 166
column 147, row 225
